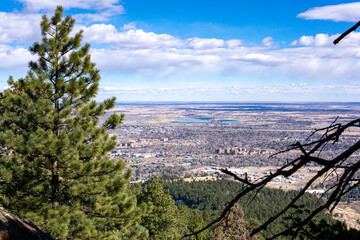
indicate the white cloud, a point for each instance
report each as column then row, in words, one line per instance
column 324, row 40
column 105, row 9
column 155, row 61
column 129, row 26
column 318, row 60
column 295, row 91
column 128, row 49
column 233, row 43
column 137, row 51
column 130, row 37
column 320, row 63
column 37, row 5
column 264, row 59
column 14, row 58
column 92, row 17
column 319, row 40
column 161, row 91
column 19, row 28
column 304, row 41
column 133, row 38
column 205, row 43
column 348, row 12
column 268, row 42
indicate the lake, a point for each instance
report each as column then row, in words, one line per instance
column 203, row 120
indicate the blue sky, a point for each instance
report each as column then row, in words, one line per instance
column 201, row 50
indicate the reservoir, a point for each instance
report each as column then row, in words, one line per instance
column 203, row 120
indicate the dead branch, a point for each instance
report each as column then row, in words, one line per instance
column 330, row 134
column 353, row 28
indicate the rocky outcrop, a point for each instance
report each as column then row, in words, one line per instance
column 12, row 228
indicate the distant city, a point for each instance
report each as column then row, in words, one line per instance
column 197, row 139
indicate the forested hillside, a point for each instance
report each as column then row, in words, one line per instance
column 212, row 196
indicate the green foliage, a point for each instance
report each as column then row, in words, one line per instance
column 164, row 219
column 212, row 196
column 161, row 221
column 54, row 168
column 193, row 220
column 332, row 231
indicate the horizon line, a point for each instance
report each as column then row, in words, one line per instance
column 274, row 102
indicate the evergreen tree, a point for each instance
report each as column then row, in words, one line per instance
column 162, row 220
column 54, row 169
column 193, row 220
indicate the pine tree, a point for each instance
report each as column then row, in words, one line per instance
column 193, row 220
column 162, row 220
column 54, row 169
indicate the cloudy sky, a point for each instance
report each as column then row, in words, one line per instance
column 203, row 50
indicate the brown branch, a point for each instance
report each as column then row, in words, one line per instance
column 271, row 219
column 353, row 28
column 245, row 180
column 224, row 213
column 332, row 134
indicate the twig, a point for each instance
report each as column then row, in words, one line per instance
column 353, row 28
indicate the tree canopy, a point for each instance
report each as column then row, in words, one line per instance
column 54, row 168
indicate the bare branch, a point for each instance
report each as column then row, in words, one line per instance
column 343, row 185
column 353, row 28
